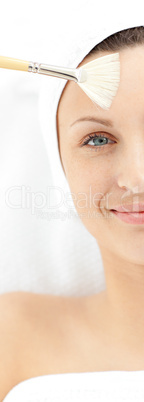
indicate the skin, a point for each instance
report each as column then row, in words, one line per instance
column 107, row 171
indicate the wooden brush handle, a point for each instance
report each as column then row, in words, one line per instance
column 30, row 66
column 13, row 64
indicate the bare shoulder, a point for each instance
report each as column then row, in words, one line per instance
column 25, row 322
column 23, row 310
column 12, row 322
column 31, row 325
column 10, row 308
column 14, row 307
column 19, row 310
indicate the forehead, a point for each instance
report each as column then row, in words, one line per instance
column 75, row 103
column 73, row 99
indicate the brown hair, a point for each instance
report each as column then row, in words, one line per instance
column 119, row 40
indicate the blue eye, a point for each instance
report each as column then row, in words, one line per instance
column 99, row 141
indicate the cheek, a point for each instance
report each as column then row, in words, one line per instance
column 88, row 180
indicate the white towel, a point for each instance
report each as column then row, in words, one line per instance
column 111, row 386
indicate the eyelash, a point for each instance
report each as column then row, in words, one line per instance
column 96, row 147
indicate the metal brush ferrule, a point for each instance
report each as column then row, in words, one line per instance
column 33, row 67
column 76, row 75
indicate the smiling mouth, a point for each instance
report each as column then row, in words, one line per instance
column 131, row 208
column 128, row 212
column 135, row 218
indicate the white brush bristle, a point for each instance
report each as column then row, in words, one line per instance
column 103, row 77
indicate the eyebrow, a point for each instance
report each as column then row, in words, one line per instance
column 93, row 119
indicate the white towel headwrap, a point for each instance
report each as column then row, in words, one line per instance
column 56, row 255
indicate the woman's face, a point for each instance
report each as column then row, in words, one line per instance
column 97, row 171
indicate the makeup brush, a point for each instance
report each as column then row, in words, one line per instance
column 99, row 78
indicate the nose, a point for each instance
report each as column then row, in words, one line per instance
column 131, row 165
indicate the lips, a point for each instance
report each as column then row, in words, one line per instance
column 129, row 208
